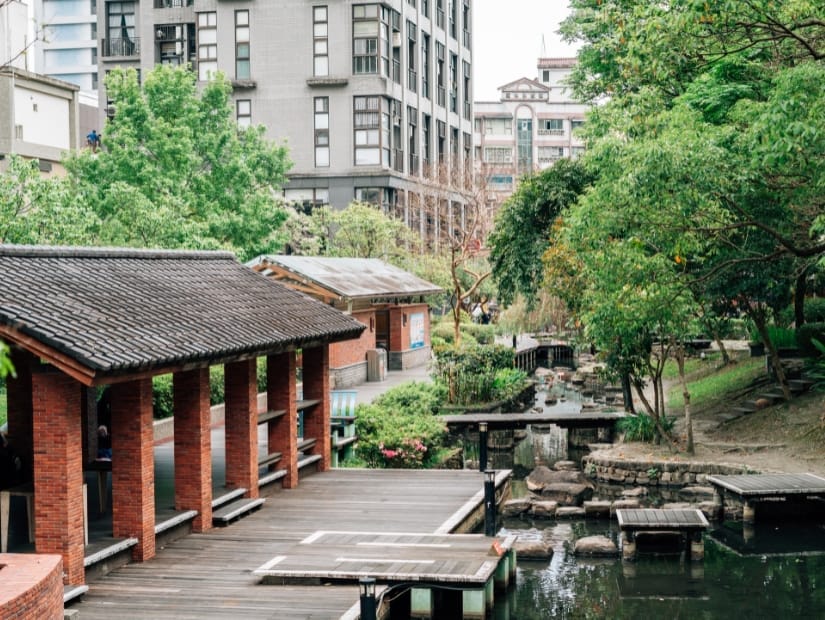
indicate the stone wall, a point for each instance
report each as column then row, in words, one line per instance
column 348, row 376
column 411, row 358
column 614, row 470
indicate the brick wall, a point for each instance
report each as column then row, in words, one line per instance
column 133, row 473
column 58, row 470
column 31, row 586
column 242, row 426
column 193, row 457
column 350, row 352
column 281, row 394
column 316, row 386
column 399, row 322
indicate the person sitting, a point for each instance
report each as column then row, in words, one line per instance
column 104, row 444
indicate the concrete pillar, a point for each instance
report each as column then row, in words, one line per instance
column 628, row 546
column 512, row 564
column 281, row 394
column 748, row 512
column 193, row 446
column 502, row 574
column 58, row 470
column 474, row 603
column 133, row 466
column 421, row 603
column 316, row 387
column 697, row 547
column 242, row 426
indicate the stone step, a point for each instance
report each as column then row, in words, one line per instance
column 71, row 592
column 227, row 497
column 235, row 510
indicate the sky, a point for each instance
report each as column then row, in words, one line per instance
column 507, row 41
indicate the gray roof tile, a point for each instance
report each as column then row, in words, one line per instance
column 114, row 309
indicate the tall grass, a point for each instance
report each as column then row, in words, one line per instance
column 716, row 386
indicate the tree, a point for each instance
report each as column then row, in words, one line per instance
column 521, row 230
column 176, row 171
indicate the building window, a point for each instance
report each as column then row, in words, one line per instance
column 550, row 153
column 524, row 140
column 441, row 141
column 411, row 3
column 412, row 76
column 243, row 112
column 367, row 129
column 439, row 13
column 545, row 76
column 454, row 83
column 321, row 132
column 477, row 125
column 498, row 155
column 306, row 200
column 175, row 43
column 500, row 180
column 551, row 127
column 439, row 74
column 574, row 125
column 370, row 39
column 412, row 137
column 207, row 45
column 466, row 22
column 453, row 19
column 320, row 41
column 425, row 65
column 242, row 69
column 425, row 8
column 426, row 140
column 498, row 126
column 120, row 29
column 467, row 99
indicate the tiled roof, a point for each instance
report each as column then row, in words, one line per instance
column 351, row 278
column 120, row 310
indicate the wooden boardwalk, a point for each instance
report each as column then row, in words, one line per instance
column 210, row 576
column 499, row 421
column 688, row 524
column 753, row 488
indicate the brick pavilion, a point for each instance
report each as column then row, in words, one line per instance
column 80, row 318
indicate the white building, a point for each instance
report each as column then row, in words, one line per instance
column 530, row 127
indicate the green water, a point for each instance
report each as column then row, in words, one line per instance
column 742, row 576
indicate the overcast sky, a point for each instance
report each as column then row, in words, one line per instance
column 507, row 40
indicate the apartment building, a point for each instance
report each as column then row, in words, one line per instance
column 530, row 127
column 374, row 99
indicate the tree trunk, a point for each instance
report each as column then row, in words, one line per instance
column 680, row 360
column 776, row 363
column 799, row 298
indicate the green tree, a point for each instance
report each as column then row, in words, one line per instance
column 521, row 230
column 176, row 171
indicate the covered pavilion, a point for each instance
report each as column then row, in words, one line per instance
column 79, row 319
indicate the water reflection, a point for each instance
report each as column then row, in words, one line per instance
column 726, row 584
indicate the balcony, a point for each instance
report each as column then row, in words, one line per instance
column 126, row 47
column 551, row 132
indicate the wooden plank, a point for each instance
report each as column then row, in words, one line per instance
column 236, row 509
column 766, row 485
column 659, row 519
column 306, row 404
column 266, row 416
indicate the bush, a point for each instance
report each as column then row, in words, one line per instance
column 782, row 337
column 640, row 427
column 469, row 372
column 400, row 428
column 508, row 382
column 814, row 311
column 805, row 336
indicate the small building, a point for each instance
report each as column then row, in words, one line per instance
column 386, row 299
column 78, row 319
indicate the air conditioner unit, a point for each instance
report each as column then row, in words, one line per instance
column 396, row 120
column 396, row 39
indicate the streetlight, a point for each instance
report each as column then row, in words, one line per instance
column 490, row 502
column 482, row 446
column 367, row 585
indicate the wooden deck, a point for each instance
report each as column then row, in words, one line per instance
column 210, row 576
column 457, row 559
column 771, row 485
column 654, row 519
column 499, row 421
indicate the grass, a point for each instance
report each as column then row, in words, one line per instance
column 692, row 364
column 710, row 388
column 2, row 406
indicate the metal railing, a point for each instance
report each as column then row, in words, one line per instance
column 173, row 4
column 125, row 46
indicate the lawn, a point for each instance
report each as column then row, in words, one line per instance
column 709, row 388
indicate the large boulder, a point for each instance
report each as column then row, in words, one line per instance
column 544, row 509
column 533, row 549
column 567, row 493
column 596, row 546
column 542, row 476
column 515, row 507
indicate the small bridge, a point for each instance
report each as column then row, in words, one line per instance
column 504, row 421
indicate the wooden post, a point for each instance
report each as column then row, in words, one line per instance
column 628, row 546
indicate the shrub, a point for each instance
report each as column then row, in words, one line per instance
column 816, row 366
column 400, row 428
column 814, row 311
column 508, row 382
column 468, row 372
column 782, row 337
column 805, row 336
column 640, row 427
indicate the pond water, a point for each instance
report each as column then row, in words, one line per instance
column 771, row 570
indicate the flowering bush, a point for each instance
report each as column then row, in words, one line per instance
column 411, row 454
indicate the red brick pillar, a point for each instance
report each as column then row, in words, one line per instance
column 316, row 387
column 19, row 405
column 242, row 426
column 58, row 470
column 133, row 462
column 282, row 432
column 193, row 446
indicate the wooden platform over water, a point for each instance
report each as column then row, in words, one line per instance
column 460, row 560
column 210, row 576
column 771, row 485
column 500, row 421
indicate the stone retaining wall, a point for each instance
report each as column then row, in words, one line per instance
column 654, row 473
column 411, row 358
column 348, row 376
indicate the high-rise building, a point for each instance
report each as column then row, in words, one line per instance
column 374, row 99
column 530, row 127
column 66, row 43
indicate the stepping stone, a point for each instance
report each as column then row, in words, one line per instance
column 544, row 509
column 596, row 546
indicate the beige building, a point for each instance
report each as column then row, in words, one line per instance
column 373, row 99
column 531, row 126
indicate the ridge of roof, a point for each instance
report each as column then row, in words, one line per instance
column 65, row 251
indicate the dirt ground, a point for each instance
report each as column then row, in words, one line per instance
column 784, row 438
